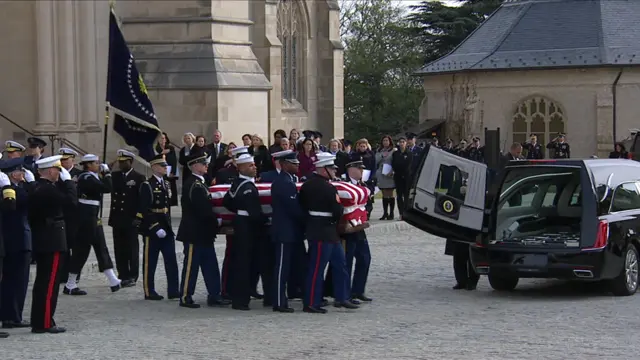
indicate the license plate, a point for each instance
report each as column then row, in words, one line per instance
column 530, row 260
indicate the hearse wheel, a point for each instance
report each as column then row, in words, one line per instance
column 626, row 283
column 501, row 282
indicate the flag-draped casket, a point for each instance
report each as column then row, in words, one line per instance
column 353, row 198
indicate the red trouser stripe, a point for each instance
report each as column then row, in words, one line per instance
column 50, row 287
column 315, row 273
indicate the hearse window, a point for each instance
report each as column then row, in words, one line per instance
column 625, row 197
column 545, row 196
column 576, row 198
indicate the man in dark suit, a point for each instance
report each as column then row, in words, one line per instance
column 36, row 147
column 287, row 231
column 17, row 234
column 215, row 150
column 122, row 218
column 514, row 154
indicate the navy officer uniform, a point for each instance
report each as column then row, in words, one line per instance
column 46, row 216
column 70, row 210
column 14, row 149
column 122, row 217
column 287, row 231
column 8, row 204
column 17, row 234
column 197, row 232
column 249, row 227
column 155, row 226
column 37, row 145
column 323, row 210
column 561, row 149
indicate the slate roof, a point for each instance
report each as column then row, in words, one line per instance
column 536, row 34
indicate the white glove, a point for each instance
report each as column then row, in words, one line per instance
column 161, row 234
column 219, row 221
column 28, row 176
column 4, row 180
column 104, row 168
column 64, row 175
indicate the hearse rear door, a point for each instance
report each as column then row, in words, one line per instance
column 448, row 196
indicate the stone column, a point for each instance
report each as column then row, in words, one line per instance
column 67, row 67
column 89, row 76
column 46, row 121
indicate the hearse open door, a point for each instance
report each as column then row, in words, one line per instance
column 447, row 198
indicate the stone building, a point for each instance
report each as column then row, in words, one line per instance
column 241, row 66
column 542, row 67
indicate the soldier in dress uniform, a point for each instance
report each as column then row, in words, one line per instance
column 122, row 218
column 323, row 210
column 561, row 149
column 287, row 231
column 70, row 211
column 155, row 226
column 17, row 232
column 36, row 147
column 94, row 181
column 13, row 149
column 533, row 148
column 46, row 216
column 267, row 177
column 8, row 204
column 475, row 151
column 197, row 232
column 249, row 226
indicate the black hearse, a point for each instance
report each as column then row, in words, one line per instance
column 567, row 219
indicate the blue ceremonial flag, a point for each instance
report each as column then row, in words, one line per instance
column 127, row 96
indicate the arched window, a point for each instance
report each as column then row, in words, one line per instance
column 289, row 33
column 539, row 116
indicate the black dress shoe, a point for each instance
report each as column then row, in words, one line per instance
column 354, row 301
column 345, row 304
column 190, row 305
column 240, row 307
column 471, row 287
column 283, row 309
column 314, row 310
column 116, row 288
column 74, row 291
column 226, row 297
column 51, row 330
column 15, row 325
column 4, row 335
column 362, row 297
column 459, row 286
column 257, row 296
column 127, row 283
column 212, row 301
column 324, row 303
column 154, row 297
column 384, row 217
column 173, row 296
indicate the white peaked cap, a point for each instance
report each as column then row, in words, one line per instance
column 14, row 144
column 300, row 139
column 89, row 158
column 324, row 160
column 244, row 159
column 325, row 155
column 123, row 152
column 49, row 162
column 240, row 150
column 66, row 151
column 280, row 154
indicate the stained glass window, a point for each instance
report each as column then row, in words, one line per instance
column 538, row 116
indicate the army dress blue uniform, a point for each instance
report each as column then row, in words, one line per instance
column 249, row 227
column 321, row 204
column 155, row 214
column 287, row 233
column 17, row 234
column 534, row 151
column 197, row 232
column 561, row 150
column 123, row 220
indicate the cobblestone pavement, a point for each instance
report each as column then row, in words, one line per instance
column 415, row 315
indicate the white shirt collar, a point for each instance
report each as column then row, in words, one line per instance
column 160, row 180
column 199, row 177
column 247, row 178
column 279, row 170
column 128, row 172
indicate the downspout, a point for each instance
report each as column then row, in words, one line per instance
column 614, row 92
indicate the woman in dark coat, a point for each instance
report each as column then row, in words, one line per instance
column 260, row 154
column 619, row 153
column 165, row 147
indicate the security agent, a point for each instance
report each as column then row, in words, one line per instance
column 155, row 226
column 249, row 226
column 17, row 232
column 122, row 217
column 36, row 147
column 561, row 149
column 70, row 211
column 46, row 216
column 197, row 231
column 287, row 231
column 321, row 204
column 94, row 181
